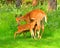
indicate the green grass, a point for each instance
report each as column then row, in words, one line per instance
column 8, row 25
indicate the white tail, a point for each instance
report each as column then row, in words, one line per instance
column 46, row 19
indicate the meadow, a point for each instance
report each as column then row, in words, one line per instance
column 8, row 26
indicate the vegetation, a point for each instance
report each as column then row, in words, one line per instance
column 8, row 25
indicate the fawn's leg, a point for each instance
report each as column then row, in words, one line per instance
column 32, row 33
column 15, row 34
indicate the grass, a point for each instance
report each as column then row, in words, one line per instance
column 8, row 25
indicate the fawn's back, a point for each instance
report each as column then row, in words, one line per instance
column 26, row 26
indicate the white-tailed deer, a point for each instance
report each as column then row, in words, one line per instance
column 37, row 15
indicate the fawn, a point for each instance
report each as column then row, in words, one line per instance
column 28, row 26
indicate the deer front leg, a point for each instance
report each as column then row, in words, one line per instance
column 35, row 29
column 38, row 32
column 38, row 28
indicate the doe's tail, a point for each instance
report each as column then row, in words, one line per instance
column 46, row 19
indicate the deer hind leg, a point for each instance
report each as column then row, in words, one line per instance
column 42, row 29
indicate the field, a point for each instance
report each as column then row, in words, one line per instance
column 8, row 25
